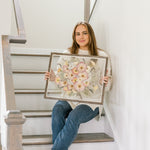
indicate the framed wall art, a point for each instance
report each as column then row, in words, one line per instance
column 77, row 78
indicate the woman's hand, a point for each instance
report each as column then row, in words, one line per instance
column 50, row 75
column 104, row 80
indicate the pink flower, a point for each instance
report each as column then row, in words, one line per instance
column 83, row 75
column 71, row 75
column 66, row 75
column 64, row 83
column 75, row 70
column 81, row 67
column 79, row 86
column 74, row 80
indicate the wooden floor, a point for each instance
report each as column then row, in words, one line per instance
column 81, row 138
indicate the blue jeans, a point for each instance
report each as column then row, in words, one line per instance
column 66, row 122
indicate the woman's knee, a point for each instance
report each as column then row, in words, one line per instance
column 83, row 109
column 57, row 109
column 61, row 108
column 82, row 113
column 64, row 104
column 79, row 111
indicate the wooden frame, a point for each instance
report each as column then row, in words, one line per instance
column 77, row 78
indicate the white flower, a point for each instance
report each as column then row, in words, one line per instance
column 83, row 75
column 79, row 86
column 81, row 67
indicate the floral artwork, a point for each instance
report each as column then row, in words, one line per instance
column 78, row 78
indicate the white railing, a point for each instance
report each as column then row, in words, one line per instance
column 89, row 7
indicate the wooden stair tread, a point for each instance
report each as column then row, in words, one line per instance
column 81, row 138
column 33, row 91
column 30, row 111
column 36, row 55
column 40, row 113
column 29, row 91
column 27, row 72
column 37, row 113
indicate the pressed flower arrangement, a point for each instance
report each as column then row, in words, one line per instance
column 77, row 77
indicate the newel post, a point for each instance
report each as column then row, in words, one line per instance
column 14, row 121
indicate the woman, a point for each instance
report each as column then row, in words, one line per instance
column 67, row 116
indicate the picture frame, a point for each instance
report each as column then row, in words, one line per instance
column 77, row 78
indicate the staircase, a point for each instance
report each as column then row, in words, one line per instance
column 28, row 84
column 28, row 68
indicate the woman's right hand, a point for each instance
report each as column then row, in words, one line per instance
column 50, row 75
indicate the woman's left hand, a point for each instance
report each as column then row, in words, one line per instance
column 104, row 80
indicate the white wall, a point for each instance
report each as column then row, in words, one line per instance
column 122, row 28
column 5, row 17
column 49, row 23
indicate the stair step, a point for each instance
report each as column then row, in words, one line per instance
column 31, row 59
column 36, row 55
column 37, row 113
column 35, row 118
column 40, row 113
column 30, row 62
column 77, row 146
column 81, row 138
column 33, row 100
column 26, row 81
column 38, row 122
column 29, row 91
column 33, row 51
column 38, row 101
column 39, row 125
column 27, row 72
column 31, row 81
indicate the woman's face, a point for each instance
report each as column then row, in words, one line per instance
column 82, row 37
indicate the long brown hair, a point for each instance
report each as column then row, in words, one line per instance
column 92, row 46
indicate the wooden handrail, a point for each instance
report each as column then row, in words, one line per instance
column 21, row 38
